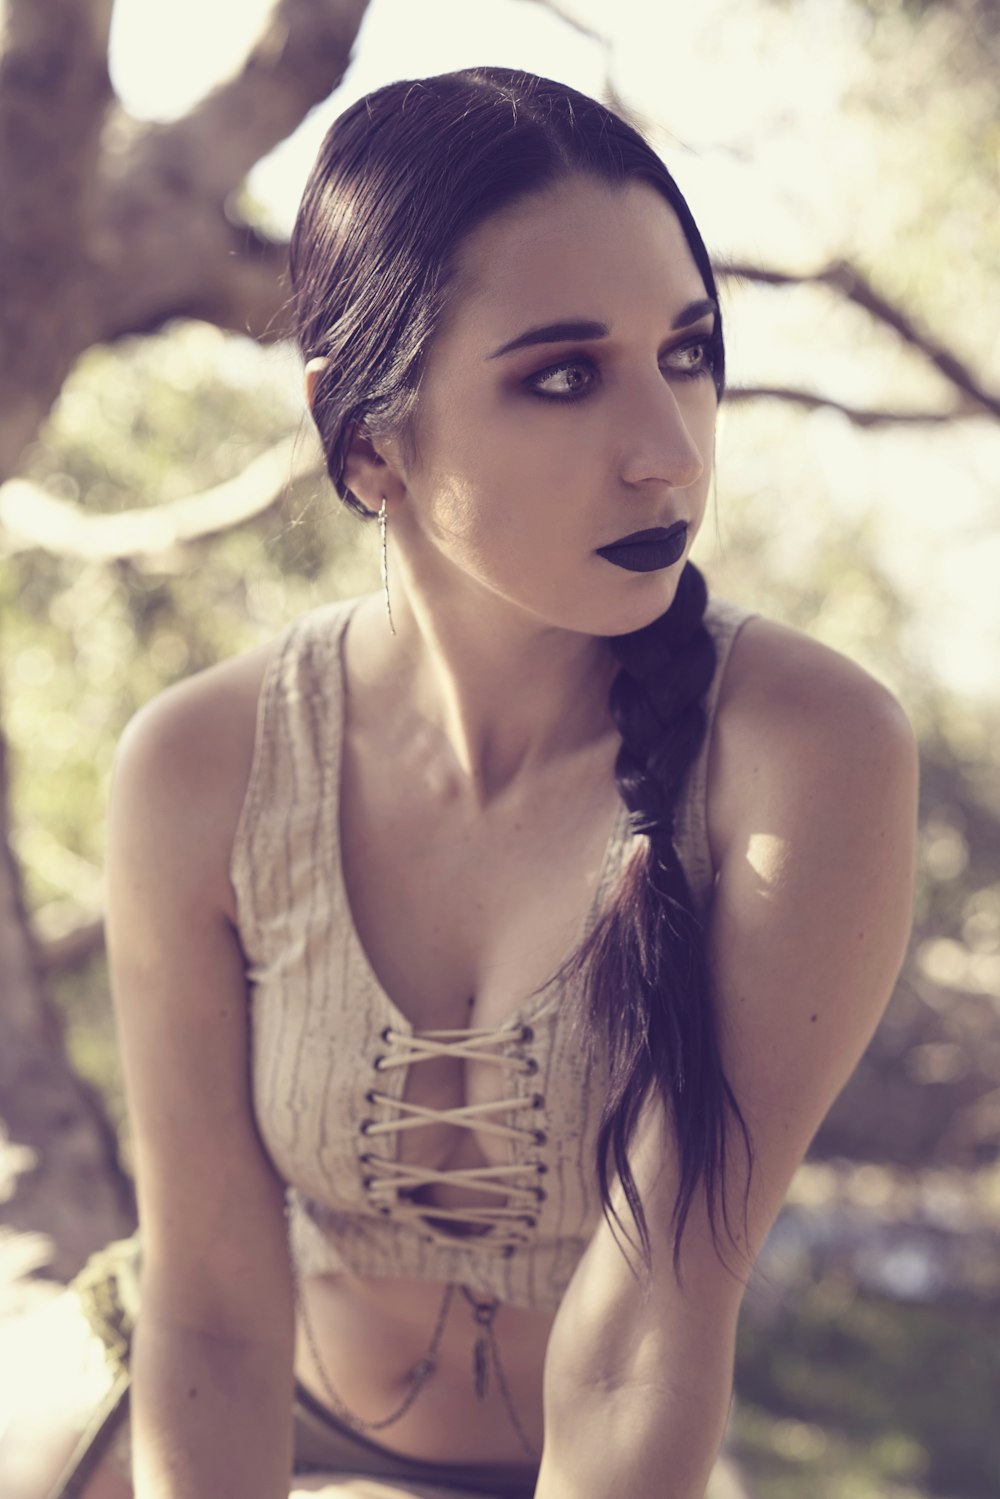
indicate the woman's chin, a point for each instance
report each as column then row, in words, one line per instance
column 649, row 596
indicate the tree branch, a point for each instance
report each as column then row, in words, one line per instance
column 251, row 293
column 151, row 240
column 164, row 194
column 564, row 14
column 297, row 61
column 740, row 394
column 239, row 282
column 610, row 94
column 855, row 287
column 33, row 518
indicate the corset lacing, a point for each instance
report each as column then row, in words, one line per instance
column 389, row 1183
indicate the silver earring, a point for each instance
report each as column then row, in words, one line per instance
column 383, row 531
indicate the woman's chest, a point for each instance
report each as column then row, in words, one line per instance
column 389, row 1091
column 461, row 1130
column 464, row 916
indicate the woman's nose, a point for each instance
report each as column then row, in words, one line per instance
column 660, row 444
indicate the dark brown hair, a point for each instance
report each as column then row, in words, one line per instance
column 402, row 178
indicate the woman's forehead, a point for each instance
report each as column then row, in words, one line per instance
column 583, row 248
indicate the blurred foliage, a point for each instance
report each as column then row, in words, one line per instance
column 84, row 644
column 847, row 1395
column 919, row 132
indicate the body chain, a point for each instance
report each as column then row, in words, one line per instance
column 485, row 1355
column 486, row 1352
column 419, row 1374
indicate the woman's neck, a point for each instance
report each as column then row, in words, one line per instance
column 509, row 694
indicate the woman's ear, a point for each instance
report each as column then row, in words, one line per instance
column 370, row 474
column 314, row 369
column 367, row 473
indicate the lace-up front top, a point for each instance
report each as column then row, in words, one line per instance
column 332, row 1055
column 514, row 1185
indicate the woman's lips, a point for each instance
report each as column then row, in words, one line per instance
column 648, row 551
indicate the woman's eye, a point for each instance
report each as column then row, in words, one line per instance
column 575, row 378
column 563, row 382
column 696, row 359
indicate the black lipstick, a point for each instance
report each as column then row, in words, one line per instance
column 648, row 551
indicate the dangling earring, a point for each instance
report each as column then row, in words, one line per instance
column 383, row 531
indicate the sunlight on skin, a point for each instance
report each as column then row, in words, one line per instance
column 768, row 857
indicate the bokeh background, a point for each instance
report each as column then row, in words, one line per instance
column 161, row 505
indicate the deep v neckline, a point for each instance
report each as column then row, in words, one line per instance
column 539, row 998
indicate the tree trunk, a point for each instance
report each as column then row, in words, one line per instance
column 59, row 1169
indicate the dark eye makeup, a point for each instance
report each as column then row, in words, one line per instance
column 583, row 364
column 575, row 388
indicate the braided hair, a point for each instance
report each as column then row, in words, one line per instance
column 372, row 260
column 648, row 988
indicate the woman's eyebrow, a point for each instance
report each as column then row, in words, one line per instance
column 553, row 333
column 703, row 307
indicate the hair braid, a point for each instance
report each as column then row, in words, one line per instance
column 648, row 985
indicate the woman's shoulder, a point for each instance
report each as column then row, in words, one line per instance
column 180, row 775
column 192, row 729
column 772, row 665
column 798, row 722
column 184, row 762
column 201, row 729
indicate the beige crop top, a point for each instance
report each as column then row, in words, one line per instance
column 331, row 1052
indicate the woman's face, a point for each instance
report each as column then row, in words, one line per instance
column 567, row 403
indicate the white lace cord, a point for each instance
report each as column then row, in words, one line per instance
column 385, row 1179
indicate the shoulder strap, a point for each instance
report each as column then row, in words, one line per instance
column 296, row 754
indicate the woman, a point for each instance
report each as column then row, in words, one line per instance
column 514, row 930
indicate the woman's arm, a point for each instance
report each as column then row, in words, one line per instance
column 812, row 816
column 213, row 1350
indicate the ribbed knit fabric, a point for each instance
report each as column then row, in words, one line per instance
column 332, row 1054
